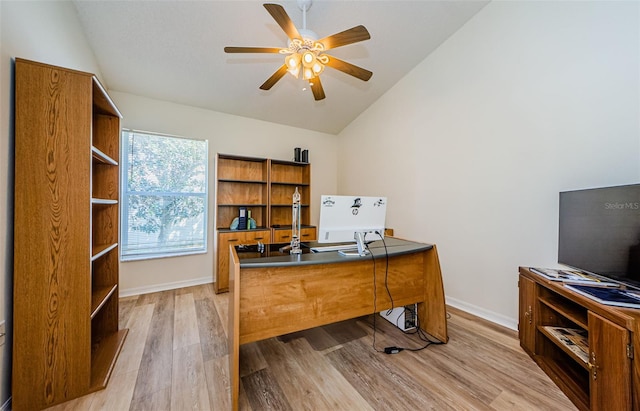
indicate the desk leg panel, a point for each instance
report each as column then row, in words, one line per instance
column 233, row 335
column 433, row 313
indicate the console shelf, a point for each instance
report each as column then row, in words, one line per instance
column 553, row 321
column 574, row 313
column 564, row 347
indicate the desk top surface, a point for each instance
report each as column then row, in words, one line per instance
column 250, row 257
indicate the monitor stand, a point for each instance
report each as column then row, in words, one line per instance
column 362, row 248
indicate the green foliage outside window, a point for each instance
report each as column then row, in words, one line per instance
column 166, row 193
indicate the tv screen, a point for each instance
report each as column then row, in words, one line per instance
column 599, row 232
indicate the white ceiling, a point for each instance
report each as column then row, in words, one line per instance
column 173, row 51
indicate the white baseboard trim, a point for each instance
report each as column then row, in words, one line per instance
column 164, row 287
column 482, row 313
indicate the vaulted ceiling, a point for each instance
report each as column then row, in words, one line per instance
column 173, row 51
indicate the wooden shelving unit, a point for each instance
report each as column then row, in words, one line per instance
column 606, row 379
column 240, row 182
column 66, row 335
column 285, row 177
column 265, row 187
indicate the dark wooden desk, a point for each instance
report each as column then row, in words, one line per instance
column 280, row 294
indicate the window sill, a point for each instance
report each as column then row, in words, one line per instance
column 128, row 258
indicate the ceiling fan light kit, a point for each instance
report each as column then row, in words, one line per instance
column 305, row 54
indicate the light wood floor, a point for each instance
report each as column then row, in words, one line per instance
column 175, row 358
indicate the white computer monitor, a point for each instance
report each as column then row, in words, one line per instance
column 354, row 219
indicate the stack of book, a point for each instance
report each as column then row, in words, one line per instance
column 576, row 340
column 597, row 288
column 572, row 277
column 617, row 297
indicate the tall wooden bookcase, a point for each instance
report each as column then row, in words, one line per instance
column 265, row 187
column 65, row 316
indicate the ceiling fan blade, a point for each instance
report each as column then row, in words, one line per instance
column 316, row 88
column 271, row 81
column 252, row 49
column 282, row 18
column 349, row 68
column 350, row 36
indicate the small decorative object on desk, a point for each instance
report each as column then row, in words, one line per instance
column 295, row 224
column 251, row 224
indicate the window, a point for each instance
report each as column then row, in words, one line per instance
column 164, row 195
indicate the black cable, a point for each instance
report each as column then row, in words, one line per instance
column 386, row 273
column 422, row 335
column 375, row 301
column 375, row 293
column 418, row 331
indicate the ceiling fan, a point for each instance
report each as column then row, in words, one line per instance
column 305, row 54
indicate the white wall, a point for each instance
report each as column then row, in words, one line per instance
column 42, row 31
column 526, row 100
column 229, row 135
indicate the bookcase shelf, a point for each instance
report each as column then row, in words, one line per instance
column 101, row 157
column 236, row 205
column 100, row 296
column 227, row 180
column 288, row 183
column 67, row 142
column 101, row 249
column 104, row 354
column 288, row 205
column 103, row 201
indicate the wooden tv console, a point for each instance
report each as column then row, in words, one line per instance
column 609, row 378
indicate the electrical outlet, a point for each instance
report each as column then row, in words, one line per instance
column 3, row 333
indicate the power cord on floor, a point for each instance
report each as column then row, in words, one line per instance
column 417, row 331
column 375, row 292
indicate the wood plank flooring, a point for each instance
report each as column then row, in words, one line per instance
column 175, row 358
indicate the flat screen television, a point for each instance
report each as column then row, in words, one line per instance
column 599, row 232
